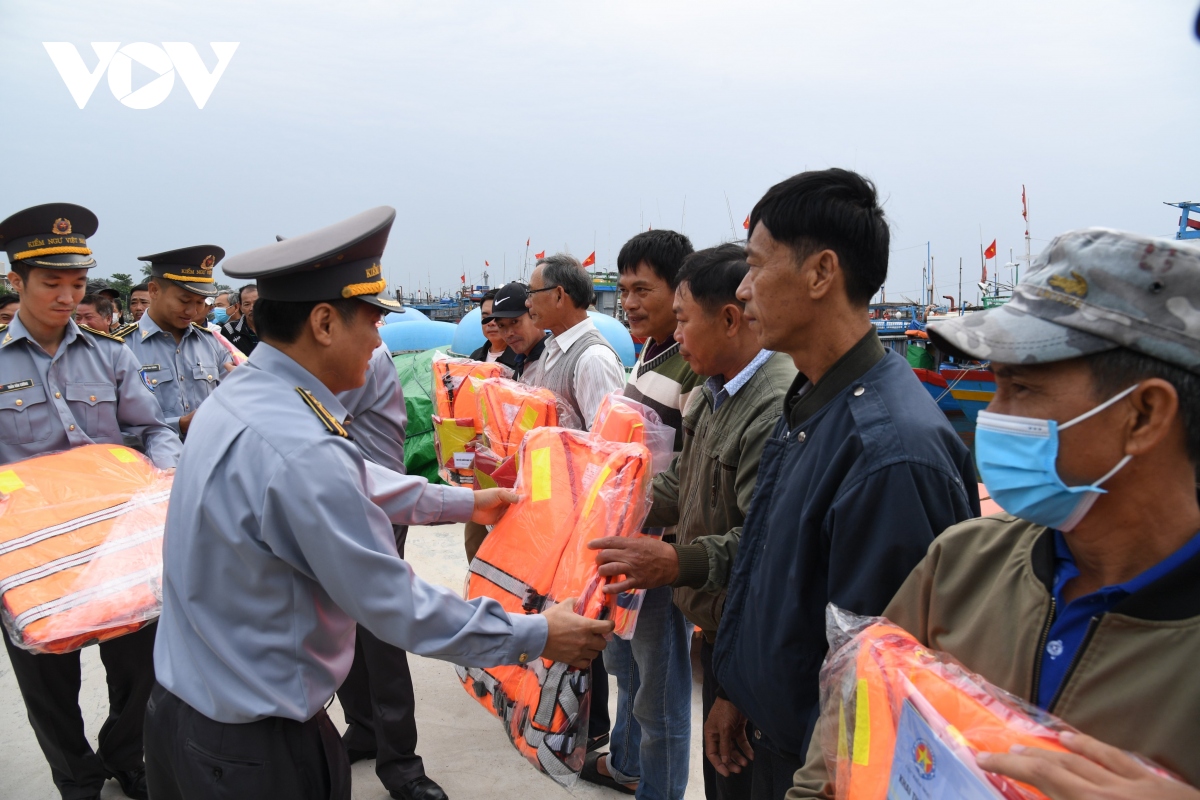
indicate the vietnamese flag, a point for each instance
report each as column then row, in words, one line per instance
column 991, row 250
column 540, row 255
column 590, row 260
column 486, row 264
column 527, row 241
column 746, row 224
column 463, row 277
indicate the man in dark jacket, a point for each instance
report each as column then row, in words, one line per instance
column 495, row 348
column 860, row 474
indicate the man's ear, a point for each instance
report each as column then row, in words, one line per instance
column 320, row 323
column 15, row 281
column 1157, row 405
column 731, row 318
column 822, row 274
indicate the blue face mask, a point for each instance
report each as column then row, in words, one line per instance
column 1016, row 457
column 219, row 315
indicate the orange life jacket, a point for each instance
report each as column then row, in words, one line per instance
column 453, row 441
column 455, row 392
column 573, row 488
column 80, row 546
column 888, row 665
column 508, row 410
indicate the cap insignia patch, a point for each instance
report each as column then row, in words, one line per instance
column 1076, row 284
column 62, row 226
column 208, row 262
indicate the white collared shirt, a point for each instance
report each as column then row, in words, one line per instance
column 597, row 373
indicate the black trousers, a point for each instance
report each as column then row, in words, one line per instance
column 50, row 688
column 716, row 786
column 191, row 757
column 598, row 721
column 774, row 772
column 377, row 699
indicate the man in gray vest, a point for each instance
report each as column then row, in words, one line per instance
column 578, row 364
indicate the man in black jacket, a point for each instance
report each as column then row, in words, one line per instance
column 861, row 472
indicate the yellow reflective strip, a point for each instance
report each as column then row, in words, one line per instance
column 9, row 482
column 529, row 418
column 123, row 455
column 862, row 724
column 540, row 461
column 842, row 747
column 596, row 484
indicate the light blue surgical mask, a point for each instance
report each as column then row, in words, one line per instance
column 219, row 315
column 1016, row 458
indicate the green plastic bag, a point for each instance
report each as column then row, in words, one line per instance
column 416, row 379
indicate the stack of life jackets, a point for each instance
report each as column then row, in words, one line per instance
column 80, row 546
column 456, row 414
column 573, row 488
column 507, row 411
column 868, row 680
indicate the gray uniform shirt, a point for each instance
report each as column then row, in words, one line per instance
column 377, row 416
column 89, row 392
column 279, row 538
column 181, row 374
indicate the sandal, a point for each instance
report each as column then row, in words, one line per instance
column 592, row 774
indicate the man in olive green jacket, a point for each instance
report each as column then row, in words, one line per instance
column 1084, row 601
column 707, row 489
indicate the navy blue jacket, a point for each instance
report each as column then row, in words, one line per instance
column 849, row 496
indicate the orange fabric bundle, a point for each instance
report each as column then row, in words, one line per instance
column 455, row 394
column 508, row 410
column 80, row 546
column 865, row 683
column 573, row 488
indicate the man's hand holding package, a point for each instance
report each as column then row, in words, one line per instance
column 645, row 561
column 573, row 639
column 490, row 505
column 1091, row 771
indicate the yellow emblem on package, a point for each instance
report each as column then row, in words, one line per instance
column 1076, row 284
column 62, row 226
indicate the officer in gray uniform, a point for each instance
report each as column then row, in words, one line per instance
column 181, row 361
column 279, row 539
column 62, row 386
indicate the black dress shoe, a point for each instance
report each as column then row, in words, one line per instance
column 360, row 755
column 421, row 788
column 133, row 784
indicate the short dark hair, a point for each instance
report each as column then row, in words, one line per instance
column 102, row 304
column 1118, row 369
column 713, row 275
column 8, row 298
column 141, row 287
column 490, row 294
column 663, row 251
column 21, row 269
column 566, row 271
column 833, row 209
column 281, row 320
column 242, row 289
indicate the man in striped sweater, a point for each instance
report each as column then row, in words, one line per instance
column 650, row 736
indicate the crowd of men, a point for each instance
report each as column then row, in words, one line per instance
column 811, row 467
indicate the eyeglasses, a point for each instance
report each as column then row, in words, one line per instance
column 543, row 289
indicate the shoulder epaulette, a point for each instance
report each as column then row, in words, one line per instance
column 330, row 421
column 102, row 333
column 200, row 327
column 3, row 327
column 125, row 330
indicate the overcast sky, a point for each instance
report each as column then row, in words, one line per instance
column 573, row 123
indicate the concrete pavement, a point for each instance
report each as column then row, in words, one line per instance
column 463, row 746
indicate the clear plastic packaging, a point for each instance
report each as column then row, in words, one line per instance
column 80, row 546
column 454, row 392
column 902, row 720
column 619, row 419
column 573, row 488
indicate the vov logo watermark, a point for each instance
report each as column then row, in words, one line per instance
column 165, row 61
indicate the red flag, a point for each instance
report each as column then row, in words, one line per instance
column 527, row 242
column 746, row 224
column 590, row 260
column 540, row 255
column 486, row 264
column 463, row 277
column 991, row 250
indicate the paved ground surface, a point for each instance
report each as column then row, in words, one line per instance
column 463, row 746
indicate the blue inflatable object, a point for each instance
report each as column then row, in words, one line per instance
column 403, row 337
column 469, row 336
column 409, row 315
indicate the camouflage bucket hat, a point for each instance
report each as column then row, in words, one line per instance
column 1091, row 290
